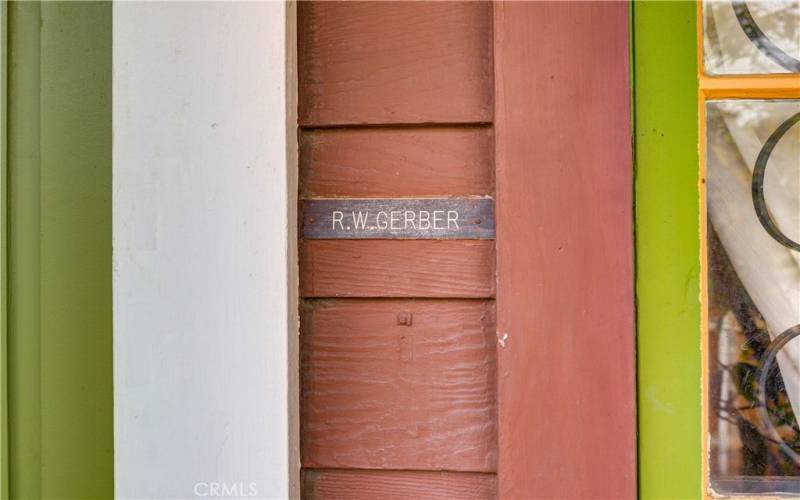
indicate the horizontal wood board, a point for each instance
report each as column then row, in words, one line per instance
column 396, row 485
column 397, row 162
column 399, row 384
column 394, row 62
column 397, row 268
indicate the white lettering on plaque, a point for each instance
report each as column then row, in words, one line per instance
column 439, row 218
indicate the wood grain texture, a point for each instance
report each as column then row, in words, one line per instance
column 399, row 384
column 397, row 268
column 329, row 484
column 397, row 162
column 566, row 380
column 394, row 62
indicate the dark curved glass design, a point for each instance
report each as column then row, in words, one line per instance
column 760, row 170
column 765, row 372
column 761, row 40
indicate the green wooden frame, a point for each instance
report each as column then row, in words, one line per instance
column 3, row 252
column 60, row 391
column 668, row 249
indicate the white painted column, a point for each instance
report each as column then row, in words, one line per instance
column 203, row 337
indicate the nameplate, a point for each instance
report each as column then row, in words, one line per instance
column 410, row 219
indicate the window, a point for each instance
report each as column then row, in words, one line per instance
column 750, row 134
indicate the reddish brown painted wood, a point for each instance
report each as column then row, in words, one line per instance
column 380, row 394
column 397, row 268
column 394, row 62
column 397, row 485
column 377, row 394
column 397, row 162
column 565, row 251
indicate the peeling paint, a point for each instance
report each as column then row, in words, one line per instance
column 502, row 340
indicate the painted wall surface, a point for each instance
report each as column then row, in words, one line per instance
column 667, row 249
column 200, row 250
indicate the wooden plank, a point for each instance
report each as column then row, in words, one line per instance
column 394, row 62
column 399, row 218
column 395, row 268
column 399, row 384
column 397, row 485
column 397, row 162
column 565, row 251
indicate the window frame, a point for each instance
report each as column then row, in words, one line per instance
column 715, row 87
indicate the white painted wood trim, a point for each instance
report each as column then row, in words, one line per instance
column 205, row 326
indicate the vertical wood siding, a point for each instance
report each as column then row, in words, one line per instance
column 566, row 385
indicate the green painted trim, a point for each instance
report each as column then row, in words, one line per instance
column 59, row 251
column 3, row 253
column 24, row 412
column 668, row 249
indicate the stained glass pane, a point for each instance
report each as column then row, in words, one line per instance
column 753, row 203
column 751, row 37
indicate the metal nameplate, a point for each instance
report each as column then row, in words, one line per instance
column 411, row 219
